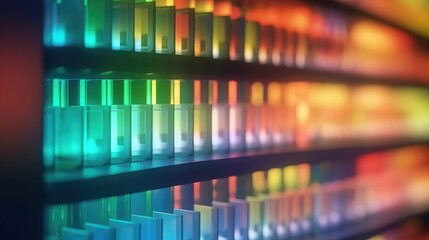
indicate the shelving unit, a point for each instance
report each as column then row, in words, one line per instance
column 90, row 183
column 29, row 188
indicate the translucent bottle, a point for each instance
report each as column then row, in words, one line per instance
column 220, row 117
column 52, row 91
column 202, row 117
column 185, row 18
column 68, row 125
column 118, row 97
column 221, row 28
column 96, row 123
column 253, row 115
column 144, row 26
column 236, row 46
column 266, row 33
column 141, row 119
column 251, row 34
column 203, row 28
column 237, row 113
column 64, row 23
column 122, row 24
column 163, row 119
column 183, row 118
column 98, row 23
column 277, row 119
column 164, row 29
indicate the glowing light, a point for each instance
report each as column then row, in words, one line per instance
column 275, row 180
column 259, row 182
column 274, row 93
column 304, row 174
column 257, row 94
column 204, row 6
column 197, row 92
column 223, row 8
column 164, row 3
column 59, row 36
column 232, row 187
column 290, row 176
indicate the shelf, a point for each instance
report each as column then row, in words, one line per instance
column 92, row 183
column 372, row 225
column 74, row 63
column 351, row 10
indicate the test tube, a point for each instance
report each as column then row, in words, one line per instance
column 150, row 227
column 163, row 119
column 226, row 219
column 184, row 196
column 237, row 120
column 122, row 24
column 52, row 90
column 202, row 117
column 64, row 23
column 255, row 217
column 191, row 223
column 100, row 232
column 164, row 28
column 185, row 17
column 141, row 203
column 144, row 25
column 141, row 119
column 98, row 23
column 203, row 28
column 96, row 123
column 253, row 112
column 125, row 230
column 241, row 216
column 290, row 179
column 275, row 189
column 236, row 46
column 56, row 217
column 251, row 33
column 183, row 117
column 171, row 225
column 68, row 125
column 277, row 115
column 279, row 36
column 220, row 117
column 209, row 221
column 120, row 113
column 221, row 28
column 266, row 31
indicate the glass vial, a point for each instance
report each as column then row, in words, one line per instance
column 266, row 42
column 221, row 28
column 251, row 41
column 253, row 115
column 183, row 118
column 236, row 46
column 237, row 121
column 220, row 117
column 97, row 123
column 203, row 28
column 98, row 23
column 141, row 119
column 68, row 125
column 118, row 97
column 144, row 26
column 64, row 23
column 185, row 18
column 164, row 29
column 202, row 117
column 122, row 24
column 163, row 119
